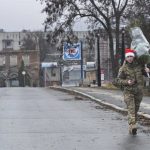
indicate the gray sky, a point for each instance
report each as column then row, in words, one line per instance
column 16, row 15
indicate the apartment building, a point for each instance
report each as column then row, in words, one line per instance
column 11, row 56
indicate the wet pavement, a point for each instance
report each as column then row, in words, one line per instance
column 113, row 97
column 46, row 119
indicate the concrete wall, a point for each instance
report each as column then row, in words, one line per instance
column 14, row 37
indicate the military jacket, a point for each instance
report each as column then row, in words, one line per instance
column 131, row 72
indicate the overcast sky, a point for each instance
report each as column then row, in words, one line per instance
column 16, row 15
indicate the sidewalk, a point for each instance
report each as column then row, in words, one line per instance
column 110, row 98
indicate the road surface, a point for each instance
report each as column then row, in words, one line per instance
column 45, row 119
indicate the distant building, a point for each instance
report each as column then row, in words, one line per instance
column 89, row 53
column 11, row 56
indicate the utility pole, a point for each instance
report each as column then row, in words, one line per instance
column 81, row 64
column 123, row 47
column 98, row 62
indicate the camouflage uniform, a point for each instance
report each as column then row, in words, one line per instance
column 133, row 94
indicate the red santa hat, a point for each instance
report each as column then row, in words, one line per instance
column 129, row 52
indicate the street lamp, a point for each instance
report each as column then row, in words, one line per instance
column 123, row 47
column 23, row 73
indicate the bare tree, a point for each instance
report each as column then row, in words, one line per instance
column 61, row 14
column 36, row 41
column 28, row 43
column 90, row 46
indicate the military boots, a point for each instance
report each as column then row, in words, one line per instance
column 133, row 129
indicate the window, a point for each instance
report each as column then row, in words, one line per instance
column 26, row 60
column 13, row 60
column 53, row 72
column 7, row 44
column 2, row 60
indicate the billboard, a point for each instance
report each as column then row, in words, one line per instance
column 72, row 51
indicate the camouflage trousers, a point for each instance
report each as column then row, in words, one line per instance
column 133, row 101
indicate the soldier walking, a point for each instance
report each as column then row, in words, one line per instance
column 130, row 76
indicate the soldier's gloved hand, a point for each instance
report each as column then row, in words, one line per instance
column 131, row 82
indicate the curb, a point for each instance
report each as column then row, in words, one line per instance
column 108, row 105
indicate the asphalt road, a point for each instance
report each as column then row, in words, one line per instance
column 113, row 97
column 45, row 119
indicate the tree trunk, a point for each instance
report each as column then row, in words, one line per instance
column 111, row 49
column 117, row 34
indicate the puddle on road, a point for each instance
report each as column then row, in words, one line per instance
column 105, row 108
column 67, row 99
column 99, row 107
column 75, row 98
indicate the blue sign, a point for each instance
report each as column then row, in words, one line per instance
column 72, row 51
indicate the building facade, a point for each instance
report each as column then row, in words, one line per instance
column 11, row 56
